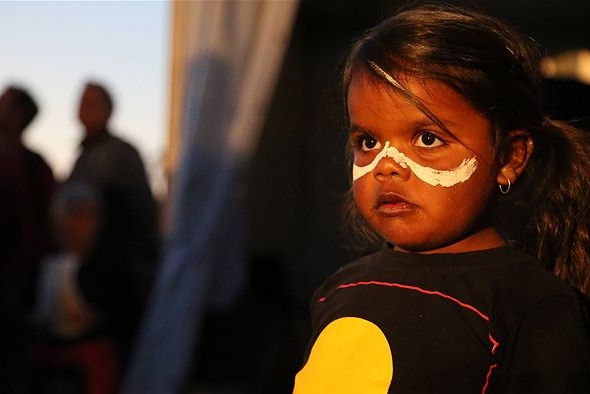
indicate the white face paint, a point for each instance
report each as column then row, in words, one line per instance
column 445, row 178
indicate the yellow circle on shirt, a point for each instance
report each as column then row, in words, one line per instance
column 350, row 356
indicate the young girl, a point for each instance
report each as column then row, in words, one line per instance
column 478, row 196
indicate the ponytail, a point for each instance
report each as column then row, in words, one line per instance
column 550, row 208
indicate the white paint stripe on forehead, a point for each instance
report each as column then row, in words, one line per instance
column 445, row 178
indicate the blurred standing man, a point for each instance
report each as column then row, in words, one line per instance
column 26, row 189
column 129, row 244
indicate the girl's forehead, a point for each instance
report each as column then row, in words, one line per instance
column 405, row 86
column 434, row 99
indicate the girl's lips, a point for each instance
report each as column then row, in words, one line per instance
column 392, row 204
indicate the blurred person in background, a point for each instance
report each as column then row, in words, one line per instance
column 26, row 188
column 114, row 167
column 74, row 347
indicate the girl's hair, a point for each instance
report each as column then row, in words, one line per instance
column 497, row 70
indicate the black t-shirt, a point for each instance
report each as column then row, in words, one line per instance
column 490, row 321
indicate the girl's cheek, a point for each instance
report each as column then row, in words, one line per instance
column 362, row 159
column 360, row 191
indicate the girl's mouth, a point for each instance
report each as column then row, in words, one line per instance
column 391, row 204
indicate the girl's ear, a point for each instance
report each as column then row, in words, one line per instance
column 518, row 151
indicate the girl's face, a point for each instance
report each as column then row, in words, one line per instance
column 418, row 186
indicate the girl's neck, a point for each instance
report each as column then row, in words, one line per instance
column 486, row 238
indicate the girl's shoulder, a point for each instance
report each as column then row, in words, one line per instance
column 505, row 274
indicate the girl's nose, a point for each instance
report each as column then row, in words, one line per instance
column 387, row 168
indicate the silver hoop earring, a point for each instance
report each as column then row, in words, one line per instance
column 502, row 190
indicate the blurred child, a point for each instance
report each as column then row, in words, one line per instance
column 70, row 331
column 60, row 306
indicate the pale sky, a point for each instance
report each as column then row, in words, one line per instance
column 52, row 47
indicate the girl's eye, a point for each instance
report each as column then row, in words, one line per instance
column 428, row 140
column 369, row 143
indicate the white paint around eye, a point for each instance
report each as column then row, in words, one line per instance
column 434, row 177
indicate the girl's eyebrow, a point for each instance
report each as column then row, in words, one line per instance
column 418, row 124
column 442, row 124
column 354, row 128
